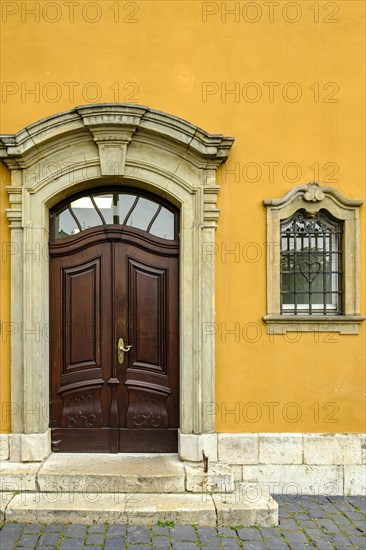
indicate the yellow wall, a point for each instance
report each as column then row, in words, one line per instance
column 182, row 57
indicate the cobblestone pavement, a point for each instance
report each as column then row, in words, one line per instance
column 305, row 522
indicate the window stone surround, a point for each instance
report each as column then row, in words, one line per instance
column 312, row 198
column 112, row 144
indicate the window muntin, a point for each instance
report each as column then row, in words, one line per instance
column 311, row 264
column 133, row 210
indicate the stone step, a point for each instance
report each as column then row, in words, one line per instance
column 94, row 473
column 243, row 507
column 107, row 473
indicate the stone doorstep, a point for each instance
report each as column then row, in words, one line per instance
column 107, row 473
column 98, row 473
column 239, row 508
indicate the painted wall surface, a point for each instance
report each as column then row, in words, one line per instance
column 287, row 80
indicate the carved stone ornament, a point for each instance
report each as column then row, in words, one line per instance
column 313, row 192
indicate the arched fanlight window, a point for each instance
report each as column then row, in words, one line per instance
column 311, row 264
column 122, row 207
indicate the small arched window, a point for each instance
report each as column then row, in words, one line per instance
column 311, row 264
column 122, row 207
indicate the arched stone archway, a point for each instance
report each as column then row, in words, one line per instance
column 114, row 144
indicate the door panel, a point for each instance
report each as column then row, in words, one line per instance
column 148, row 317
column 106, row 285
column 80, row 298
column 81, row 291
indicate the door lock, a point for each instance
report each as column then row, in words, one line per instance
column 122, row 350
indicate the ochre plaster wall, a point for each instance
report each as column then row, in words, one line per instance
column 296, row 70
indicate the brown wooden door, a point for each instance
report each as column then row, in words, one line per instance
column 110, row 283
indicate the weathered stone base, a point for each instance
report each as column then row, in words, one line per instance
column 4, row 447
column 26, row 447
column 292, row 463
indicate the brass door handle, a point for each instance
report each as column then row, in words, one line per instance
column 122, row 350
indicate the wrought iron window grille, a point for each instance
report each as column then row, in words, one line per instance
column 311, row 264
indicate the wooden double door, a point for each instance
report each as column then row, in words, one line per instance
column 114, row 342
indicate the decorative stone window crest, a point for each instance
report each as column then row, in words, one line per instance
column 319, row 205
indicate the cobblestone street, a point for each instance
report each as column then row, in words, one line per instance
column 305, row 522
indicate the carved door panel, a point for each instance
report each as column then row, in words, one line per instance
column 108, row 285
column 147, row 289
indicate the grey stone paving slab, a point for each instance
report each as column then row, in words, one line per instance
column 358, row 542
column 32, row 529
column 184, row 533
column 327, row 525
column 315, row 515
column 160, row 530
column 299, row 516
column 178, row 545
column 9, row 536
column 208, row 537
column 211, row 545
column 270, row 532
column 249, row 533
column 49, row 539
column 138, row 534
column 160, row 541
column 323, row 544
column 351, row 531
column 226, row 532
column 72, row 544
column 56, row 528
column 116, row 530
column 13, row 527
column 305, row 546
column 95, row 538
column 8, row 546
column 117, row 543
column 288, row 525
column 231, row 544
column 75, row 531
column 96, row 529
column 28, row 541
column 315, row 533
column 276, row 543
column 307, row 524
column 294, row 537
column 359, row 502
column 360, row 524
column 255, row 545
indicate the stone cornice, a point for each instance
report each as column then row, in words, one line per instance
column 118, row 117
